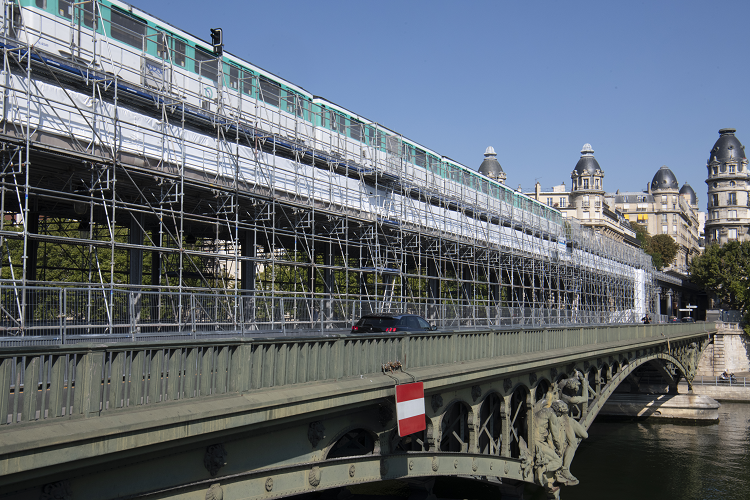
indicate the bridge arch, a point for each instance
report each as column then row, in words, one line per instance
column 456, row 429
column 518, row 431
column 353, row 442
column 628, row 367
column 491, row 412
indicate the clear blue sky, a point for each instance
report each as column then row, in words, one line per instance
column 645, row 83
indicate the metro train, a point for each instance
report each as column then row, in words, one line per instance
column 114, row 38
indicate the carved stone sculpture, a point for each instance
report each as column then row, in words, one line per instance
column 215, row 458
column 316, row 432
column 215, row 492
column 436, row 401
column 59, row 490
column 556, row 438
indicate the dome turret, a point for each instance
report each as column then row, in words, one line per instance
column 727, row 147
column 687, row 191
column 491, row 167
column 587, row 165
column 664, row 179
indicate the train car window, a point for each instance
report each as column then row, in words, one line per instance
column 391, row 144
column 421, row 158
column 42, row 4
column 269, row 92
column 302, row 106
column 342, row 123
column 65, row 8
column 406, row 152
column 355, row 131
column 126, row 29
column 206, row 64
column 234, row 77
column 333, row 120
column 248, row 83
column 178, row 55
column 90, row 17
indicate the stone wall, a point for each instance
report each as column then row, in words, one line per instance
column 729, row 351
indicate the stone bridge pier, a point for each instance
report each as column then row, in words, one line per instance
column 271, row 418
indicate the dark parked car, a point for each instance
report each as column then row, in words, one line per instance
column 688, row 319
column 674, row 319
column 377, row 323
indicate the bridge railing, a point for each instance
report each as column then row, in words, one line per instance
column 56, row 315
column 39, row 383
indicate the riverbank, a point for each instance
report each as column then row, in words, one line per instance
column 719, row 390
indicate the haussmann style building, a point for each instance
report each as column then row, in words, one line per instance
column 728, row 202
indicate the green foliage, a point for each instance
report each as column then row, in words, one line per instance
column 662, row 248
column 724, row 270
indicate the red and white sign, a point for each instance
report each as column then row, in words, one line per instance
column 410, row 408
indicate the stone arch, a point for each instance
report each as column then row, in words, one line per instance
column 355, row 442
column 491, row 424
column 518, row 413
column 454, row 428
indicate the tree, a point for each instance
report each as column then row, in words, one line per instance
column 724, row 270
column 663, row 246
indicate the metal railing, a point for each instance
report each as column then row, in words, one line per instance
column 52, row 315
column 721, row 382
column 41, row 383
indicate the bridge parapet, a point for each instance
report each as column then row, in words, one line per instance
column 92, row 379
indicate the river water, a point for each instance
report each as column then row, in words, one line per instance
column 645, row 460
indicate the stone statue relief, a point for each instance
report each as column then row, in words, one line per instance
column 557, row 434
column 556, row 438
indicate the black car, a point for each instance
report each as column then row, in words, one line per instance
column 377, row 323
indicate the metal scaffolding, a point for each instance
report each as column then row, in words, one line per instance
column 141, row 200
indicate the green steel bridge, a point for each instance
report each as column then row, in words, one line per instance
column 264, row 418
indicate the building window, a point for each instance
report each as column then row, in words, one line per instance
column 715, row 214
column 731, row 214
column 715, row 171
column 563, row 201
column 674, row 228
column 596, row 183
column 664, row 229
column 732, row 234
column 731, row 183
column 585, row 183
column 664, row 219
column 664, row 198
column 549, row 202
column 715, row 200
column 586, row 214
column 731, row 169
column 732, row 199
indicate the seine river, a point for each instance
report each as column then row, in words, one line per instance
column 632, row 460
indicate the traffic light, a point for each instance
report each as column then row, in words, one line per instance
column 217, row 40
